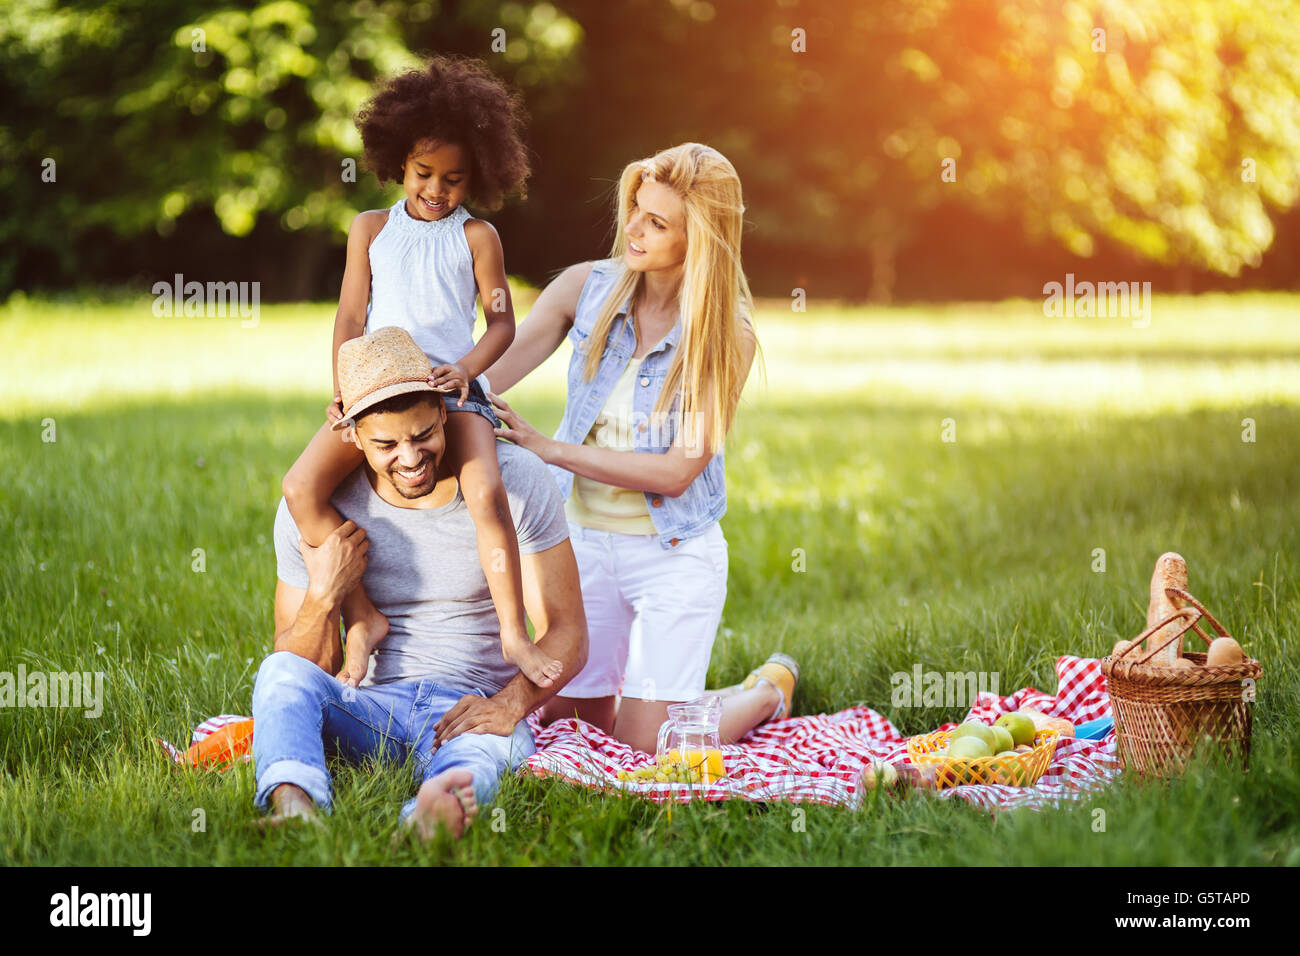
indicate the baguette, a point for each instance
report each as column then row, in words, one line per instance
column 1170, row 572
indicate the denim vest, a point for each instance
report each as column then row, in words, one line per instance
column 705, row 500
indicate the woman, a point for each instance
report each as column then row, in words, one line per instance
column 663, row 343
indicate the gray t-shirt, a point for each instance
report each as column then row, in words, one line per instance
column 424, row 573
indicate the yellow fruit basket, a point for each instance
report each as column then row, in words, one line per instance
column 1021, row 770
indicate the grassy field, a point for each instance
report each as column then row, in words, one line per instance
column 171, row 435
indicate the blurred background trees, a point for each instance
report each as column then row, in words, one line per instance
column 891, row 149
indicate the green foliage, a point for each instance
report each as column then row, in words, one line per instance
column 152, row 110
column 1167, row 127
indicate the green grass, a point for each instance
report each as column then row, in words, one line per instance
column 172, row 435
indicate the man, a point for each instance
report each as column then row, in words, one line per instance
column 439, row 690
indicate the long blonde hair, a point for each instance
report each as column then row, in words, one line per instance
column 716, row 305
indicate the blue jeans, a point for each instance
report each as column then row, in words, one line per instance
column 299, row 710
column 476, row 402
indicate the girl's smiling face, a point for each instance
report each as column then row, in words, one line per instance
column 436, row 179
column 655, row 229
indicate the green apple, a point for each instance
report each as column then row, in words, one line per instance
column 969, row 747
column 981, row 732
column 1020, row 727
column 1009, row 769
column 1003, row 740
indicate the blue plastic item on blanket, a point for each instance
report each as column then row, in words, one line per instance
column 1094, row 729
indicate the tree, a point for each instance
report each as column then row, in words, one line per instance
column 153, row 110
column 1165, row 127
column 1172, row 132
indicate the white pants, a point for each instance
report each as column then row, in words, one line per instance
column 652, row 613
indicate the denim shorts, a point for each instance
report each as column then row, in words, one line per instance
column 476, row 402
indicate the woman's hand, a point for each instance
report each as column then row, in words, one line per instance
column 451, row 378
column 517, row 430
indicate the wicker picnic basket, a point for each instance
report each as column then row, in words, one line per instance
column 1163, row 714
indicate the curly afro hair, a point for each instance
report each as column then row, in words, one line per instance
column 452, row 100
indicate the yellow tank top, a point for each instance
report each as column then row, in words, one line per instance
column 594, row 504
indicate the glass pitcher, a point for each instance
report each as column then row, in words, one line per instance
column 690, row 736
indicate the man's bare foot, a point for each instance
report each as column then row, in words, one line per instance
column 365, row 631
column 538, row 666
column 290, row 803
column 446, row 800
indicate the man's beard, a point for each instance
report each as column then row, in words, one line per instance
column 415, row 491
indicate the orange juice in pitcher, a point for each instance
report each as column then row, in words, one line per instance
column 690, row 736
column 708, row 762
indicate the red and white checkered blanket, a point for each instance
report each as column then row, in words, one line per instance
column 820, row 759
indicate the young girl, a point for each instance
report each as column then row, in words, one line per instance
column 447, row 133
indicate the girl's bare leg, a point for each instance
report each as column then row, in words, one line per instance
column 473, row 442
column 314, row 477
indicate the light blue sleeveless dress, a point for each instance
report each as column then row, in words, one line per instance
column 422, row 280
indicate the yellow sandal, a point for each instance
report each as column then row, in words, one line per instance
column 782, row 672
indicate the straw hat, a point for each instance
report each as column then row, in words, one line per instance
column 378, row 366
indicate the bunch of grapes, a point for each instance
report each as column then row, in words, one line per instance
column 665, row 771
